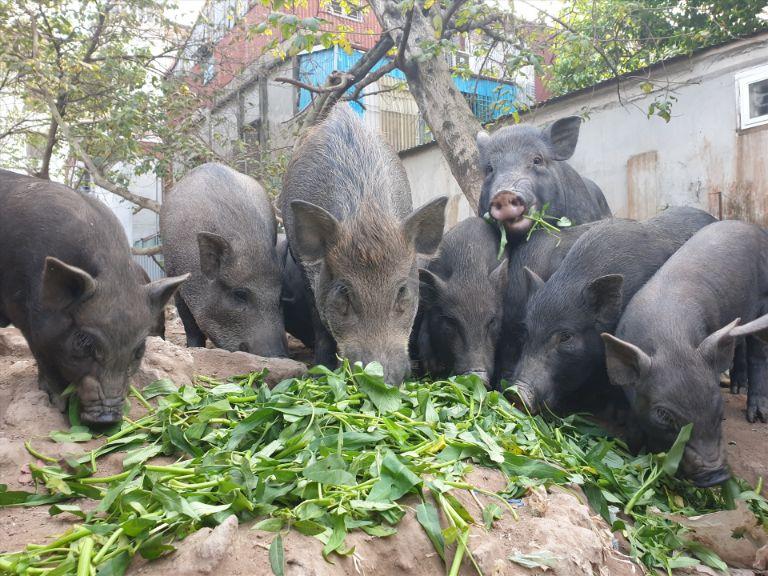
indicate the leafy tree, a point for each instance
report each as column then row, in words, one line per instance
column 84, row 81
column 598, row 40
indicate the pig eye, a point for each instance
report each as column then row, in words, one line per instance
column 488, row 169
column 83, row 345
column 663, row 418
column 564, row 337
column 341, row 300
column 492, row 323
column 240, row 295
column 538, row 160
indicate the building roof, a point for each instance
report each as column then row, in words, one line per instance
column 613, row 82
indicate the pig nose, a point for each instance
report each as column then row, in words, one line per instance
column 507, row 205
column 527, row 396
column 710, row 478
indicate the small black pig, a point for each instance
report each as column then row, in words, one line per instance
column 462, row 290
column 219, row 225
column 678, row 334
column 542, row 253
column 563, row 356
column 68, row 283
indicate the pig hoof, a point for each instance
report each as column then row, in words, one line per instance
column 737, row 386
column 757, row 410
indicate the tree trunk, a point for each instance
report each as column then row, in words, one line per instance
column 440, row 102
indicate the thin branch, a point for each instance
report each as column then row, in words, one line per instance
column 309, row 87
column 371, row 78
column 151, row 251
column 98, row 178
column 451, row 12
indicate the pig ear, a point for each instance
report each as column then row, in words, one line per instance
column 64, row 285
column 215, row 252
column 533, row 281
column 604, row 297
column 500, row 275
column 315, row 230
column 424, row 227
column 160, row 291
column 627, row 364
column 757, row 328
column 562, row 136
column 430, row 286
column 717, row 348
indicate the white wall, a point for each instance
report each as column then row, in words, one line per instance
column 699, row 154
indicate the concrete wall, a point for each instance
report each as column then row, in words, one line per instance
column 643, row 164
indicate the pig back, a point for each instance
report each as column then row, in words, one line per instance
column 341, row 165
column 214, row 198
column 43, row 218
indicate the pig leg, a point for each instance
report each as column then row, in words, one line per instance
column 738, row 372
column 4, row 321
column 50, row 383
column 757, row 393
column 195, row 336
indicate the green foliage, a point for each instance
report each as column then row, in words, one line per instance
column 599, row 40
column 102, row 62
column 330, row 454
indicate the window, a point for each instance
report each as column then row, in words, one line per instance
column 209, row 68
column 345, row 9
column 752, row 91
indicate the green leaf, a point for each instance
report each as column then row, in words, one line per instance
column 115, row 566
column 277, row 556
column 269, row 525
column 675, row 454
column 68, row 508
column 75, row 434
column 427, row 515
column 385, row 398
column 490, row 513
column 540, row 559
column 330, row 470
column 337, row 536
column 140, row 455
column 161, row 387
column 395, row 480
column 309, row 527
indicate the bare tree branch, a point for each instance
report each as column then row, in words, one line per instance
column 150, row 251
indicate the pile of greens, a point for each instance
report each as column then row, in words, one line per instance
column 338, row 452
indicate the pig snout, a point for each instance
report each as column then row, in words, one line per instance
column 509, row 206
column 705, row 468
column 95, row 406
column 396, row 364
column 527, row 396
column 270, row 349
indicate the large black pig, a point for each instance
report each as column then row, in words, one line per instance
column 462, row 289
column 525, row 168
column 68, row 283
column 563, row 359
column 219, row 225
column 678, row 334
column 346, row 205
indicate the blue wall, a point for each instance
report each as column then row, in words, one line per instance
column 489, row 99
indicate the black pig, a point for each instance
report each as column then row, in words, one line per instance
column 525, row 168
column 68, row 283
column 219, row 225
column 462, row 290
column 678, row 334
column 563, row 353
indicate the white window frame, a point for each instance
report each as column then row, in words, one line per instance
column 356, row 16
column 743, row 81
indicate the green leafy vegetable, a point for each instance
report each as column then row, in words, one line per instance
column 339, row 452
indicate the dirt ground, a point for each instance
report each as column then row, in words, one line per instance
column 556, row 522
